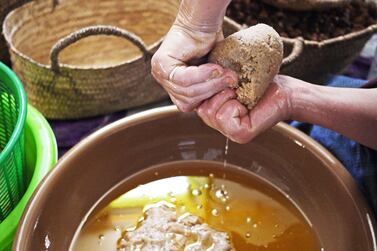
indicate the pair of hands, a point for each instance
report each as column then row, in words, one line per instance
column 205, row 88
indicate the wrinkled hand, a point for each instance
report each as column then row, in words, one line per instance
column 226, row 114
column 187, row 85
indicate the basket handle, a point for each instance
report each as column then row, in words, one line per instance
column 90, row 31
column 298, row 48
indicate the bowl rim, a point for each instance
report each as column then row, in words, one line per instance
column 300, row 138
column 46, row 157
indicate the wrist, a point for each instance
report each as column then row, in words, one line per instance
column 307, row 103
column 203, row 16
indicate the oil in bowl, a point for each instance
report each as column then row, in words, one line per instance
column 254, row 213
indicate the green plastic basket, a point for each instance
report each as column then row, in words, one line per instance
column 41, row 156
column 13, row 108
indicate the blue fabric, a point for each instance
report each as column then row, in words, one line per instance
column 359, row 160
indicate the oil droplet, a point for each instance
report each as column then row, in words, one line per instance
column 206, row 186
column 222, row 194
column 247, row 235
column 196, row 192
column 183, row 208
column 276, row 226
column 211, row 175
column 173, row 200
column 227, row 208
column 215, row 212
column 199, row 206
column 156, row 174
column 255, row 225
column 117, row 229
column 101, row 237
column 248, row 220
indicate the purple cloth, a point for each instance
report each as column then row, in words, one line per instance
column 359, row 68
column 69, row 132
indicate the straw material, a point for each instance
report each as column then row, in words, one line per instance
column 100, row 53
column 305, row 5
column 331, row 56
column 5, row 7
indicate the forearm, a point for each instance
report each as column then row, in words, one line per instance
column 202, row 15
column 351, row 112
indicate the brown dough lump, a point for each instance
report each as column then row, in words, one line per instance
column 255, row 54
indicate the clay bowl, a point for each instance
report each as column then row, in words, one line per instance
column 104, row 165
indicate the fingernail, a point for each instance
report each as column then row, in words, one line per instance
column 230, row 81
column 215, row 74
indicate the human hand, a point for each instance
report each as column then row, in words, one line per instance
column 226, row 114
column 187, row 40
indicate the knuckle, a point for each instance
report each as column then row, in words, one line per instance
column 190, row 92
column 219, row 116
column 184, row 108
column 211, row 112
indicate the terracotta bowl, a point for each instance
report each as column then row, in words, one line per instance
column 105, row 165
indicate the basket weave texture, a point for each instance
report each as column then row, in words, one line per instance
column 304, row 5
column 82, row 58
column 12, row 153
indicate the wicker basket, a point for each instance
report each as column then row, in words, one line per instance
column 312, row 61
column 5, row 7
column 331, row 56
column 98, row 74
column 304, row 5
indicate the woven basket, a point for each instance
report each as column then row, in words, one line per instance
column 6, row 6
column 101, row 68
column 305, row 5
column 312, row 61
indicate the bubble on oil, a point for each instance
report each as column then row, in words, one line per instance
column 247, row 235
column 199, row 206
column 155, row 173
column 215, row 212
column 101, row 237
column 255, row 225
column 248, row 220
column 206, row 186
column 222, row 194
column 117, row 229
column 227, row 208
column 173, row 200
column 211, row 175
column 196, row 192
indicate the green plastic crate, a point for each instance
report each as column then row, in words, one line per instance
column 13, row 109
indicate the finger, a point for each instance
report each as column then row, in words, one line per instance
column 207, row 111
column 233, row 121
column 189, row 75
column 208, row 88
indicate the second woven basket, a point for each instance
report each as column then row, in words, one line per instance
column 104, row 49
